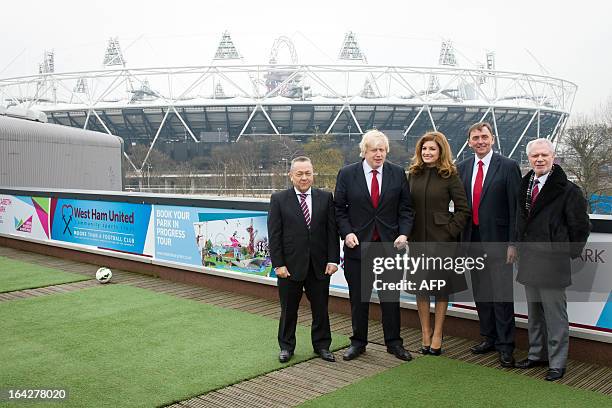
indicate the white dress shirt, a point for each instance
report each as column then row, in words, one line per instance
column 541, row 180
column 308, row 199
column 367, row 170
column 486, row 161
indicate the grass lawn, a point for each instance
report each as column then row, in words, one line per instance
column 442, row 382
column 18, row 275
column 120, row 346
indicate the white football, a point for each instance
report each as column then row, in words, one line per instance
column 104, row 275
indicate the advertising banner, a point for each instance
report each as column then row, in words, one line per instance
column 115, row 226
column 237, row 241
column 25, row 216
column 231, row 240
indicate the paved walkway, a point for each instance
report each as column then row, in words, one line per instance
column 309, row 379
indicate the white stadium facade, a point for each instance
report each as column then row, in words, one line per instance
column 190, row 107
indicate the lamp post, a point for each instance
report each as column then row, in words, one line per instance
column 349, row 132
column 219, row 133
column 149, row 176
column 224, row 178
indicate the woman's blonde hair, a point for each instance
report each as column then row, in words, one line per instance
column 445, row 165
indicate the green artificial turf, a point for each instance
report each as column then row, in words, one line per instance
column 120, row 346
column 442, row 382
column 18, row 275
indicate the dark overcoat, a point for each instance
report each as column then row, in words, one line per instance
column 551, row 233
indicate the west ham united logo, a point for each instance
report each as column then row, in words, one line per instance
column 67, row 217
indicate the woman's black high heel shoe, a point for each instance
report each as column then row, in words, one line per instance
column 426, row 349
column 435, row 351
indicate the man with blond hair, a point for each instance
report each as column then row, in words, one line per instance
column 373, row 204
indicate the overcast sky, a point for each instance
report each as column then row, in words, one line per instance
column 570, row 40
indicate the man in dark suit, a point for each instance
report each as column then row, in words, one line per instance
column 552, row 228
column 372, row 205
column 491, row 183
column 305, row 251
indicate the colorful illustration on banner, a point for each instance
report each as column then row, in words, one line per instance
column 230, row 240
column 233, row 244
column 26, row 216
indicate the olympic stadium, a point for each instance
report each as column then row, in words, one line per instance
column 229, row 100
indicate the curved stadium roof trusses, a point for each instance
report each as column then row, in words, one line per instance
column 205, row 102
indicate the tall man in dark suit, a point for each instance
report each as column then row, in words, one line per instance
column 305, row 251
column 491, row 183
column 552, row 228
column 372, row 205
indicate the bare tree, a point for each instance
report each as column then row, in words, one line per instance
column 586, row 149
column 281, row 151
column 606, row 112
column 246, row 166
column 157, row 164
column 184, row 183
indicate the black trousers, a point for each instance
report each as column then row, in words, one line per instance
column 493, row 290
column 290, row 294
column 360, row 288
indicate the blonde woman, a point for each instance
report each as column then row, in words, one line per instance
column 434, row 183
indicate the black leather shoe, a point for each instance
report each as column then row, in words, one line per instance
column 554, row 374
column 435, row 351
column 506, row 359
column 285, row 355
column 527, row 363
column 353, row 352
column 400, row 352
column 483, row 348
column 326, row 355
column 425, row 350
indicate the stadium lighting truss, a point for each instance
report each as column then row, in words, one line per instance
column 346, row 88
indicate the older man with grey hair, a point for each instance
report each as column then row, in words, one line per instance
column 552, row 228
